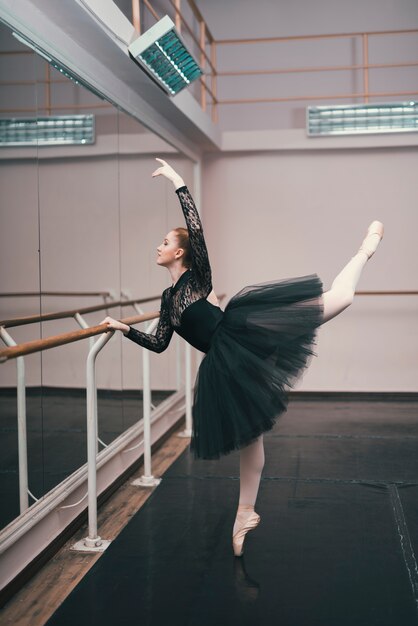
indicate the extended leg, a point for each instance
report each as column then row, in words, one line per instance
column 341, row 294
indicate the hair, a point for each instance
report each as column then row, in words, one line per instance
column 183, row 241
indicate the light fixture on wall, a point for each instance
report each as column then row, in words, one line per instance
column 392, row 117
column 161, row 52
column 47, row 131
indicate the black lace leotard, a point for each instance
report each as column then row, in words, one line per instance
column 184, row 306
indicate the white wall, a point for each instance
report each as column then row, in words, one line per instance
column 283, row 214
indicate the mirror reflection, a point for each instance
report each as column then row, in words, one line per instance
column 79, row 233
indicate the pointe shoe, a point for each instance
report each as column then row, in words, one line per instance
column 249, row 523
column 375, row 228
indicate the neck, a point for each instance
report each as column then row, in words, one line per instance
column 176, row 272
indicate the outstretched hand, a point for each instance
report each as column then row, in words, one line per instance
column 167, row 171
column 113, row 324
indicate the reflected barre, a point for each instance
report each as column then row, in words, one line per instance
column 20, row 294
column 44, row 317
column 38, row 345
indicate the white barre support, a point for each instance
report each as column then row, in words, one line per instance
column 178, row 362
column 93, row 543
column 147, row 479
column 21, row 424
column 83, row 324
column 187, row 432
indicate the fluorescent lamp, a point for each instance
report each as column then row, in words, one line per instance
column 162, row 53
column 392, row 117
column 47, row 131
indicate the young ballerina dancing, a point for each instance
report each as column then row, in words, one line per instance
column 254, row 350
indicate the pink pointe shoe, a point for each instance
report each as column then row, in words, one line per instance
column 248, row 522
column 369, row 246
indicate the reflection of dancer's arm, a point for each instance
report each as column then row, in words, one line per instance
column 200, row 257
column 158, row 342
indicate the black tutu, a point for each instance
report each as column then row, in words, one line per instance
column 258, row 351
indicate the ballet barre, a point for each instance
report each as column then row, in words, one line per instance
column 13, row 351
column 45, row 317
column 60, row 294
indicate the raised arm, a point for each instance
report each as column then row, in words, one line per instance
column 200, row 258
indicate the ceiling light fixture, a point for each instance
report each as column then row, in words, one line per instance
column 161, row 52
column 47, row 131
column 392, row 117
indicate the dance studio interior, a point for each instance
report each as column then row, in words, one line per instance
column 131, row 472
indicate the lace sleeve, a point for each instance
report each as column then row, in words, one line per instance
column 158, row 342
column 200, row 257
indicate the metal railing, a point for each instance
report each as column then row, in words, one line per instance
column 365, row 67
column 70, row 294
column 93, row 541
column 76, row 313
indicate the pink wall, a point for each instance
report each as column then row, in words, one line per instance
column 282, row 214
column 240, row 19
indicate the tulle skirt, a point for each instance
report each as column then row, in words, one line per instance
column 258, row 351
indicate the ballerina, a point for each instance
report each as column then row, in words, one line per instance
column 255, row 350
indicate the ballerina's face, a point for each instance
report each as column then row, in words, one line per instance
column 169, row 250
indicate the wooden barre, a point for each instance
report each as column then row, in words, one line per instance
column 19, row 294
column 39, row 345
column 43, row 317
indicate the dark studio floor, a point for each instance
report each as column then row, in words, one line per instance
column 336, row 545
column 56, row 436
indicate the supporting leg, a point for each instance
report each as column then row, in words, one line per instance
column 251, row 463
column 251, row 467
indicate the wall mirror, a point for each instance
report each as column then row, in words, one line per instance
column 80, row 223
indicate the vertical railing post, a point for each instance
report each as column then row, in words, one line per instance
column 188, row 388
column 83, row 324
column 21, row 424
column 366, row 67
column 93, row 542
column 177, row 18
column 136, row 16
column 187, row 432
column 214, row 82
column 147, row 479
column 202, row 64
column 178, row 362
